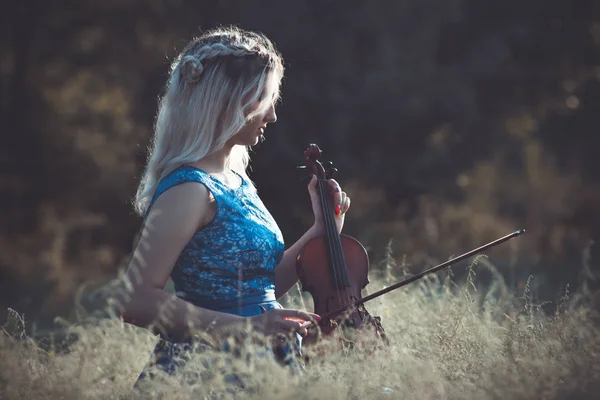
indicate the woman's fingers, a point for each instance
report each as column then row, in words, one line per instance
column 339, row 199
column 289, row 326
column 337, row 196
column 295, row 320
column 346, row 205
column 297, row 315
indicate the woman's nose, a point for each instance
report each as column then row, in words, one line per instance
column 271, row 115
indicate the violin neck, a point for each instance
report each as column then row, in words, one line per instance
column 337, row 261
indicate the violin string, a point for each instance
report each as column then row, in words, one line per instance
column 339, row 256
column 343, row 280
column 331, row 231
column 327, row 222
column 339, row 253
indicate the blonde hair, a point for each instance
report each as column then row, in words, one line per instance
column 212, row 86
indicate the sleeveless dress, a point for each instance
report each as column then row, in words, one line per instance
column 227, row 266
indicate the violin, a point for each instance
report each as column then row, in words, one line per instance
column 334, row 268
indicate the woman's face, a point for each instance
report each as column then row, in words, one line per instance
column 251, row 132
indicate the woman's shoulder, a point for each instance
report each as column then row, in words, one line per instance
column 181, row 175
column 186, row 205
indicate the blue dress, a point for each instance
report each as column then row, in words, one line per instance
column 228, row 265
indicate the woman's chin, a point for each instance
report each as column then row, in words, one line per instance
column 249, row 141
column 258, row 139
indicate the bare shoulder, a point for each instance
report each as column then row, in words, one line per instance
column 183, row 207
column 171, row 223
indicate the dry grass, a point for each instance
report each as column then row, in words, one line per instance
column 448, row 341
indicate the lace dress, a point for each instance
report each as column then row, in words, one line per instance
column 228, row 265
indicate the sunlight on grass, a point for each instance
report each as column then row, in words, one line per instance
column 448, row 341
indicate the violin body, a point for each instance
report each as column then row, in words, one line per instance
column 334, row 268
column 312, row 266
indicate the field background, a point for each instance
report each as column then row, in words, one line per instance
column 452, row 123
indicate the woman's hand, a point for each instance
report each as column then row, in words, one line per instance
column 278, row 322
column 339, row 200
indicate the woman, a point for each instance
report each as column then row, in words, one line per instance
column 205, row 225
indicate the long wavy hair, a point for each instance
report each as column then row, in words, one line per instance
column 212, row 86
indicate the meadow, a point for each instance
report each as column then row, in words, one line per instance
column 449, row 339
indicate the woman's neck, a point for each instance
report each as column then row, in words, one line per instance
column 216, row 165
column 216, row 162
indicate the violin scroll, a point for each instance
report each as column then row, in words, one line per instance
column 312, row 155
column 330, row 171
column 323, row 170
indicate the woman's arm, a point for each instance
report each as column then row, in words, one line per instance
column 173, row 220
column 173, row 317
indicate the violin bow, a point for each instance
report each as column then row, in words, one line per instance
column 426, row 272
